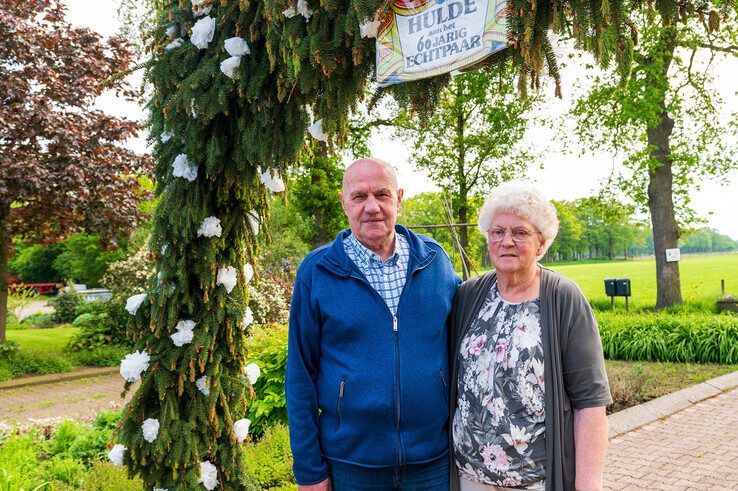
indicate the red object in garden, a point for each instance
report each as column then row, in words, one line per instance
column 40, row 288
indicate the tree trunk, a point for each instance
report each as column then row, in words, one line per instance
column 4, row 253
column 660, row 188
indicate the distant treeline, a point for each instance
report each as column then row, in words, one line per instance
column 590, row 228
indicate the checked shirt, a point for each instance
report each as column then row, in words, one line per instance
column 386, row 277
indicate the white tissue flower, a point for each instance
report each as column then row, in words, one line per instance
column 208, row 475
column 252, row 372
column 290, row 12
column 116, row 455
column 172, row 30
column 274, row 184
column 210, row 227
column 203, row 32
column 248, row 272
column 184, row 334
column 369, row 29
column 253, row 218
column 133, row 365
column 248, row 318
column 241, row 429
column 198, row 11
column 174, row 44
column 134, row 302
column 316, row 131
column 237, row 46
column 203, row 385
column 303, row 10
column 192, row 108
column 229, row 65
column 150, row 429
column 166, row 136
column 164, row 249
column 227, row 277
column 183, row 168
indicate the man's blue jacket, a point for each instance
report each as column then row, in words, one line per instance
column 364, row 386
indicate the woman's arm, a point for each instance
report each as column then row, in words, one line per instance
column 590, row 447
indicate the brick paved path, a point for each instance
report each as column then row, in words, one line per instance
column 696, row 448
column 80, row 399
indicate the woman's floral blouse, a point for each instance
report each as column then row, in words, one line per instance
column 499, row 424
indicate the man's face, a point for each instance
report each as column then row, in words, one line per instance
column 370, row 200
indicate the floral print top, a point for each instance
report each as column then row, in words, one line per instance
column 499, row 424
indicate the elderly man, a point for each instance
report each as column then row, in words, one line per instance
column 367, row 360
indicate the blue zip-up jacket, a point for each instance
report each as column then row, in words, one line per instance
column 364, row 386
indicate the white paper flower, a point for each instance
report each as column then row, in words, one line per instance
column 184, row 334
column 210, row 227
column 208, row 475
column 290, row 12
column 174, row 44
column 172, row 30
column 134, row 302
column 248, row 272
column 273, row 182
column 192, row 108
column 202, row 32
column 198, row 11
column 248, row 318
column 369, row 29
column 166, row 136
column 241, row 429
column 159, row 276
column 252, row 372
column 203, row 385
column 303, row 10
column 229, row 65
column 237, row 46
column 161, row 489
column 150, row 429
column 164, row 249
column 133, row 365
column 316, row 131
column 183, row 168
column 116, row 455
column 227, row 277
column 253, row 218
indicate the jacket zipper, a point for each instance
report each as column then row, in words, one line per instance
column 340, row 398
column 398, row 411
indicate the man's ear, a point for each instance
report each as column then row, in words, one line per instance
column 400, row 194
column 340, row 198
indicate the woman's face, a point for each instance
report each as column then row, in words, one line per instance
column 514, row 243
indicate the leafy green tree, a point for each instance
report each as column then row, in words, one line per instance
column 35, row 263
column 85, row 260
column 472, row 141
column 666, row 119
column 571, row 228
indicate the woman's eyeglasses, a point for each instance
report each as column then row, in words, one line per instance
column 497, row 234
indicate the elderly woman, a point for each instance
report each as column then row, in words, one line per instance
column 529, row 387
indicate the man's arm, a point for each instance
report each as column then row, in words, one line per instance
column 590, row 447
column 303, row 354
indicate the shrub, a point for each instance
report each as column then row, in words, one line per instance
column 101, row 324
column 270, row 459
column 39, row 320
column 693, row 337
column 82, row 320
column 268, row 299
column 104, row 476
column 79, row 441
column 628, row 389
column 65, row 305
column 92, row 308
column 22, row 362
column 267, row 347
column 63, row 470
column 101, row 356
column 19, row 465
column 128, row 276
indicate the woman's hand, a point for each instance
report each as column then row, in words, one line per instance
column 326, row 485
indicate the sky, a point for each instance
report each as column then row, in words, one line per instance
column 564, row 176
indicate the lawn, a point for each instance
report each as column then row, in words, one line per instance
column 700, row 276
column 51, row 341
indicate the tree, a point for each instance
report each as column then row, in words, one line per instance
column 666, row 117
column 471, row 142
column 62, row 166
column 566, row 245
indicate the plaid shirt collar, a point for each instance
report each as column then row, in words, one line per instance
column 368, row 259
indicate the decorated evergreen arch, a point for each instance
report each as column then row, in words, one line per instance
column 237, row 84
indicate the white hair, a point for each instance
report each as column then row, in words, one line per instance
column 524, row 200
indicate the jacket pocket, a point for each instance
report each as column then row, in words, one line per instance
column 445, row 386
column 339, row 400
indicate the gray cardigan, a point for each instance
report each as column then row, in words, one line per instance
column 574, row 367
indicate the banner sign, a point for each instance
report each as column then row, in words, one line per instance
column 421, row 38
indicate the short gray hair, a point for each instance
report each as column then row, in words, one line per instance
column 524, row 200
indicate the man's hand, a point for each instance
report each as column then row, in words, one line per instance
column 326, row 485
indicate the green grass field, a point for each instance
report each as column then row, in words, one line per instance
column 700, row 276
column 51, row 341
